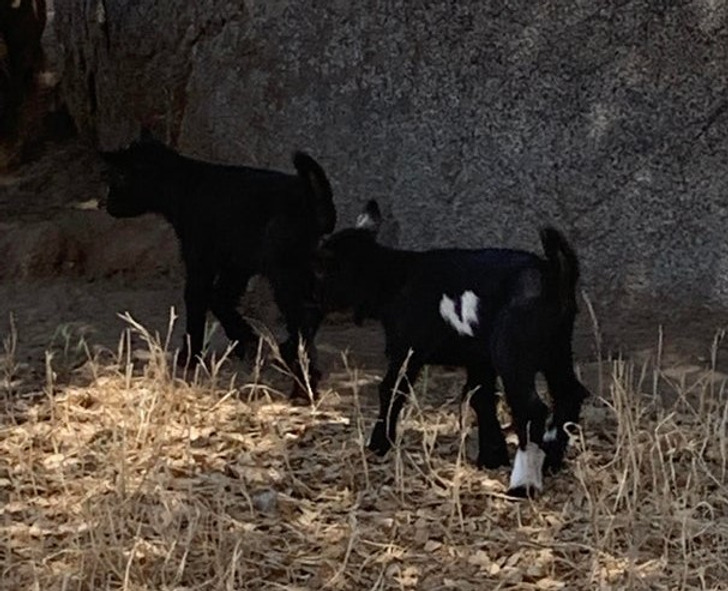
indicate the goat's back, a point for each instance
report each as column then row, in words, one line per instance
column 247, row 216
column 493, row 273
column 451, row 300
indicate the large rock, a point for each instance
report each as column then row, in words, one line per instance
column 90, row 244
column 473, row 122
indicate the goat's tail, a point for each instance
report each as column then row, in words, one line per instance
column 564, row 265
column 320, row 190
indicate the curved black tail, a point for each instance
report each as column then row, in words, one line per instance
column 564, row 266
column 323, row 199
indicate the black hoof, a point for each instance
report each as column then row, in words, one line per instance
column 301, row 393
column 289, row 352
column 185, row 360
column 299, row 389
column 379, row 442
column 378, row 449
column 491, row 461
column 523, row 492
column 554, row 460
column 553, row 465
column 240, row 350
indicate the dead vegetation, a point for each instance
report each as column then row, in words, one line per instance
column 127, row 477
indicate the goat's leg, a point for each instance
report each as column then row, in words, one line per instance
column 198, row 287
column 493, row 451
column 391, row 401
column 529, row 416
column 568, row 394
column 515, row 350
column 302, row 323
column 293, row 292
column 226, row 294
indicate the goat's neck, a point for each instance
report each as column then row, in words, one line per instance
column 386, row 274
column 175, row 197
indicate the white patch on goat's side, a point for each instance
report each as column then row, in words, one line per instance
column 467, row 319
column 528, row 468
column 550, row 435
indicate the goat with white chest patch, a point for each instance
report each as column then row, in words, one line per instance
column 495, row 312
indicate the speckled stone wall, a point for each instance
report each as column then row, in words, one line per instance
column 472, row 122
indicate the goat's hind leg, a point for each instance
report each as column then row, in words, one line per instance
column 568, row 395
column 226, row 294
column 492, row 448
column 391, row 401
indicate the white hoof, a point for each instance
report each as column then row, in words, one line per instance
column 527, row 474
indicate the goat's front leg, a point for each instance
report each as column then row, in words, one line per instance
column 568, row 394
column 198, row 287
column 516, row 350
column 391, row 401
column 302, row 323
column 492, row 448
column 529, row 415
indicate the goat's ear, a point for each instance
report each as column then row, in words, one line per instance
column 370, row 218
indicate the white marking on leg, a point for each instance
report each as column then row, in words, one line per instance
column 528, row 468
column 467, row 319
column 550, row 435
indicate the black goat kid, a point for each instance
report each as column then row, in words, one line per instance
column 232, row 222
column 495, row 312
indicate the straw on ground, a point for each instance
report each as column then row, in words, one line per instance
column 127, row 477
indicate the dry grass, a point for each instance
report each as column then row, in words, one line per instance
column 139, row 480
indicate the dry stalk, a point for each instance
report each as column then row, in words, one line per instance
column 353, row 376
column 10, row 364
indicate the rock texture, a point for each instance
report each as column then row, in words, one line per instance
column 50, row 226
column 472, row 122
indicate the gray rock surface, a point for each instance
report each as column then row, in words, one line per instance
column 472, row 122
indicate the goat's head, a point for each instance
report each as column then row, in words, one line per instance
column 138, row 177
column 343, row 261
